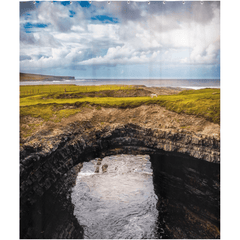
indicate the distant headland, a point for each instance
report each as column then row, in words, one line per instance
column 38, row 77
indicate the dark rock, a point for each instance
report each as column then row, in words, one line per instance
column 42, row 167
column 104, row 168
column 188, row 198
column 51, row 216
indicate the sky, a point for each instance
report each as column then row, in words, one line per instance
column 121, row 40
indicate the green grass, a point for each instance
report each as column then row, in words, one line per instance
column 46, row 90
column 204, row 102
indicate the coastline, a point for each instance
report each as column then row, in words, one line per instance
column 72, row 130
column 50, row 82
column 167, row 83
column 78, row 99
column 28, row 77
column 78, row 108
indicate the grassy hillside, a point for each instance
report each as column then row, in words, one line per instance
column 50, row 102
column 38, row 77
column 48, row 90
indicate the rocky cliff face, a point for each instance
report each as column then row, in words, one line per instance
column 42, row 164
column 188, row 193
column 51, row 216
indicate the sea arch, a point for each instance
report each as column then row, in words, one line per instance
column 41, row 168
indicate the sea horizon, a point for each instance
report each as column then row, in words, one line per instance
column 181, row 83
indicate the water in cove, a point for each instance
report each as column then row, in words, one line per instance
column 119, row 202
column 138, row 196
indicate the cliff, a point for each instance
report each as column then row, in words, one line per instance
column 184, row 151
column 38, row 77
column 42, row 165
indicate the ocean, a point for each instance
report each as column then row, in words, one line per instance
column 183, row 83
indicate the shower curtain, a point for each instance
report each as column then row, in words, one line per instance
column 104, row 81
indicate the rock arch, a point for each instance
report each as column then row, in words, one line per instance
column 41, row 167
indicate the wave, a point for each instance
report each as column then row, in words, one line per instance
column 142, row 172
column 86, row 174
column 83, row 80
column 196, row 88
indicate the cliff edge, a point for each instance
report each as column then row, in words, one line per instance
column 38, row 77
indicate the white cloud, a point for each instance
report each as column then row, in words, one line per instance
column 59, row 57
column 58, row 16
column 149, row 35
column 123, row 55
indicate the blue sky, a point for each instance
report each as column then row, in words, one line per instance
column 121, row 40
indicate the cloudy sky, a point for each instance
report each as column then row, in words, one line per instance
column 121, row 40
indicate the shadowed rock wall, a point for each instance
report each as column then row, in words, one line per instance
column 51, row 216
column 188, row 193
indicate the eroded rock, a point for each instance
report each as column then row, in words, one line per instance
column 97, row 169
column 104, row 168
column 42, row 167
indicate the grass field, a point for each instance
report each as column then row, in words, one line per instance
column 66, row 88
column 43, row 101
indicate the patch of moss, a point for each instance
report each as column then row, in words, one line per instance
column 64, row 113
